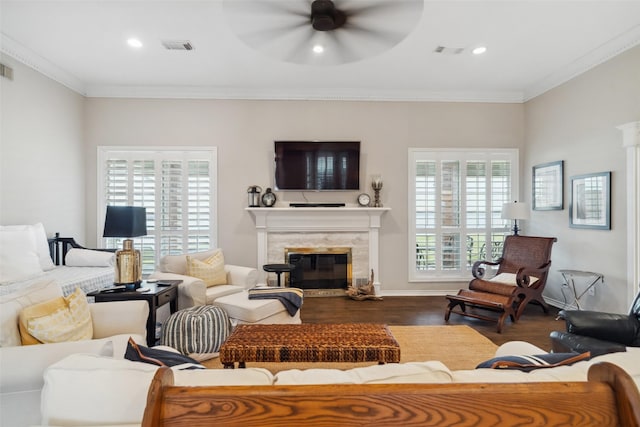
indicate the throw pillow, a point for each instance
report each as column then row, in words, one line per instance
column 89, row 258
column 41, row 242
column 58, row 320
column 12, row 304
column 159, row 357
column 18, row 256
column 210, row 271
column 529, row 363
column 510, row 279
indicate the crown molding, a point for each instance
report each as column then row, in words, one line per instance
column 600, row 55
column 605, row 52
column 31, row 59
column 286, row 94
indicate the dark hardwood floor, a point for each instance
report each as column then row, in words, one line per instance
column 534, row 326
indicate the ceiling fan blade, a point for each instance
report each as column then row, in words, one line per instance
column 264, row 36
column 379, row 8
column 302, row 51
column 264, row 8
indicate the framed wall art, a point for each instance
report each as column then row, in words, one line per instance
column 547, row 186
column 591, row 201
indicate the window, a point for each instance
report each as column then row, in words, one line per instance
column 455, row 206
column 178, row 188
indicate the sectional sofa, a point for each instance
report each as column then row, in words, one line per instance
column 69, row 393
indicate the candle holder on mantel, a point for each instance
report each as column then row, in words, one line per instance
column 376, row 184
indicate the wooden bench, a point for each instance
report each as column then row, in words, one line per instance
column 609, row 398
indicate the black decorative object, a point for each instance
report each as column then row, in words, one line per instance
column 269, row 198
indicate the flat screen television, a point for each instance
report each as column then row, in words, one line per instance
column 317, row 165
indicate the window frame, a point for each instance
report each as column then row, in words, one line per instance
column 159, row 153
column 462, row 155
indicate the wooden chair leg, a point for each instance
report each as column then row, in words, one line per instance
column 450, row 307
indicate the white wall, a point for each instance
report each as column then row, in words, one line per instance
column 41, row 153
column 244, row 132
column 576, row 122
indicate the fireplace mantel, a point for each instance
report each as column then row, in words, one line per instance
column 322, row 220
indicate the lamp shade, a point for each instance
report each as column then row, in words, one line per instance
column 515, row 210
column 125, row 221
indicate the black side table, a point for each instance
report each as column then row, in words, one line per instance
column 159, row 293
column 279, row 269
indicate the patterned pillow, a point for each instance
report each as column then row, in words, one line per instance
column 529, row 363
column 210, row 271
column 159, row 357
column 57, row 320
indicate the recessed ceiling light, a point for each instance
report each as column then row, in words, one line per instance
column 135, row 43
column 318, row 48
column 479, row 50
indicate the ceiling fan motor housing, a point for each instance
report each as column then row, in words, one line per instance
column 325, row 16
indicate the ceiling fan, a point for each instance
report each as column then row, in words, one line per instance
column 322, row 32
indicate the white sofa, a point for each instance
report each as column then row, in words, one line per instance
column 69, row 396
column 193, row 291
column 22, row 367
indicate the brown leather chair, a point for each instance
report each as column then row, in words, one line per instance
column 520, row 279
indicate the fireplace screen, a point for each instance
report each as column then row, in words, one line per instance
column 320, row 268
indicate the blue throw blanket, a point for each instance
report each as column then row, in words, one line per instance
column 291, row 298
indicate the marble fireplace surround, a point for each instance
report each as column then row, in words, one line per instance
column 354, row 227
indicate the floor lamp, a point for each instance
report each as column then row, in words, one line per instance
column 126, row 221
column 515, row 211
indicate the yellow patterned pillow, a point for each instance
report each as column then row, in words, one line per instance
column 210, row 271
column 57, row 320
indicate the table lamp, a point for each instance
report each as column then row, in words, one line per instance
column 126, row 221
column 515, row 211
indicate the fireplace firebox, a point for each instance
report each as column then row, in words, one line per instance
column 320, row 268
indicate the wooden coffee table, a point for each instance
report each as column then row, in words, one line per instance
column 351, row 342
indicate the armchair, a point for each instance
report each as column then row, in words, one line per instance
column 520, row 279
column 598, row 332
column 193, row 291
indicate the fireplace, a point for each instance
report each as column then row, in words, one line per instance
column 357, row 228
column 320, row 268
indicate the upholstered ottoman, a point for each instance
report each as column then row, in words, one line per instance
column 197, row 332
column 243, row 310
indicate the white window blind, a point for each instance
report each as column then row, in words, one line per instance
column 455, row 204
column 176, row 186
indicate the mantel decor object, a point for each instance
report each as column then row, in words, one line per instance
column 376, row 184
column 254, row 196
column 126, row 221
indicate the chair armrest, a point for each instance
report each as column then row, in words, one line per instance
column 478, row 269
column 620, row 328
column 119, row 317
column 242, row 276
column 564, row 342
column 191, row 292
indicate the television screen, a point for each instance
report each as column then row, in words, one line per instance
column 317, row 166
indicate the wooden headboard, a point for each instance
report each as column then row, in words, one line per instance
column 609, row 398
column 59, row 246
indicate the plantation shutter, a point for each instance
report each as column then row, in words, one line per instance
column 177, row 188
column 455, row 209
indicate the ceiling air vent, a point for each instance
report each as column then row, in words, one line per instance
column 449, row 50
column 177, row 44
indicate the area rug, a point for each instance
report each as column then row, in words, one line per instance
column 457, row 346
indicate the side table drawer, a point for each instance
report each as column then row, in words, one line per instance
column 167, row 296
